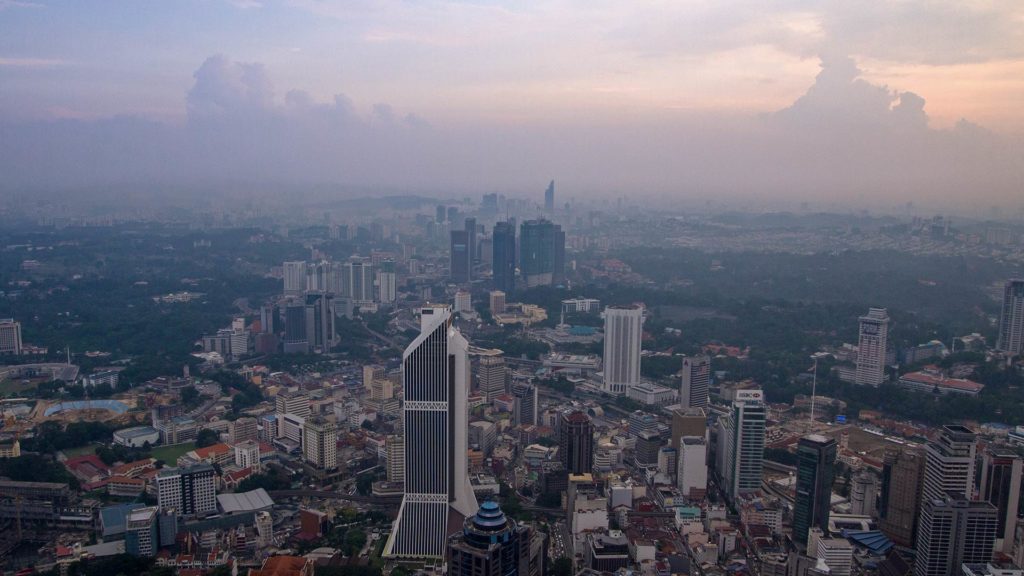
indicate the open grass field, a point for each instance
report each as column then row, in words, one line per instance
column 170, row 454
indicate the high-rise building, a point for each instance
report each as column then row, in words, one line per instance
column 441, row 213
column 954, row 531
column 461, row 263
column 496, row 302
column 902, row 477
column 836, row 553
column 270, row 321
column 394, row 447
column 357, row 279
column 646, row 448
column 688, row 422
column 471, row 241
column 1011, row 320
column 187, row 491
column 549, row 198
column 873, row 343
column 623, row 331
column 1000, row 485
column 576, row 442
column 949, row 464
column 320, row 315
column 693, row 393
column 247, row 455
column 740, row 451
column 692, row 472
column 503, row 259
column 525, row 408
column 141, row 536
column 292, row 402
column 541, row 252
column 490, row 544
column 387, row 282
column 863, row 494
column 490, row 376
column 463, row 302
column 242, row 429
column 435, row 421
column 10, row 336
column 816, row 457
column 320, row 443
column 295, row 337
column 295, row 277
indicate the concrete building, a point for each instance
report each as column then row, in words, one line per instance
column 953, row 532
column 1001, row 485
column 247, row 455
column 320, row 443
column 490, row 544
column 490, row 377
column 872, row 347
column 496, row 302
column 816, row 458
column 243, row 429
column 526, row 405
column 864, row 494
column 187, row 491
column 10, row 336
column 688, row 422
column 294, row 277
column 394, row 447
column 902, row 477
column 1011, row 319
column 692, row 474
column 463, row 302
column 503, row 257
column 576, row 442
column 696, row 381
column 741, row 439
column 437, row 487
column 836, row 553
column 623, row 332
column 141, row 536
column 292, row 402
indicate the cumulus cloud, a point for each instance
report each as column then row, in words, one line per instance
column 844, row 141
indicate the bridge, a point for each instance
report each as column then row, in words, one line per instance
column 332, row 495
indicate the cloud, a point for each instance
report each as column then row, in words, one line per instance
column 31, row 62
column 845, row 141
column 6, row 4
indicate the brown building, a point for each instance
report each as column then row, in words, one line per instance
column 902, row 478
column 688, row 422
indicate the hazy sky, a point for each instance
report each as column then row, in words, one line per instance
column 911, row 99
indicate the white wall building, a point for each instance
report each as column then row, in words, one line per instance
column 623, row 331
column 874, row 340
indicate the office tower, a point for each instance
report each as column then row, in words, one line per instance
column 902, row 477
column 496, row 302
column 863, row 494
column 949, row 464
column 470, row 227
column 463, row 302
column 1011, row 320
column 10, row 336
column 318, row 276
column 874, row 339
column 372, row 373
column 483, row 435
column 646, row 447
column 688, row 422
column 187, row 491
column 549, row 198
column 461, row 264
column 270, row 322
column 357, row 281
column 692, row 472
column 740, row 451
column 243, row 429
column 294, row 277
column 693, row 392
column 394, row 448
column 141, row 536
column 295, row 338
column 441, row 213
column 320, row 315
column 489, row 545
column 453, row 215
column 576, row 442
column 292, row 402
column 387, row 282
column 320, row 443
column 525, row 409
column 816, row 457
column 623, row 331
column 541, row 251
column 490, row 377
column 247, row 455
column 503, row 259
column 437, row 488
column 1000, row 486
column 954, row 531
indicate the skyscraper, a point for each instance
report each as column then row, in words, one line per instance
column 320, row 315
column 863, row 493
column 692, row 473
column 526, row 404
column 187, row 491
column 541, row 252
column 320, row 443
column 470, row 227
column 549, row 198
column 490, row 376
column 1011, row 320
column 740, row 453
column 874, row 339
column 295, row 337
column 140, row 535
column 693, row 393
column 902, row 477
column 295, row 277
column 504, row 256
column 954, row 531
column 270, row 319
column 438, row 495
column 387, row 282
column 576, row 443
column 688, row 422
column 949, row 464
column 357, row 281
column 490, row 544
column 461, row 263
column 10, row 336
column 1000, row 485
column 816, row 456
column 623, row 330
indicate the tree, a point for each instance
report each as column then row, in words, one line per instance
column 364, row 484
column 561, row 567
column 189, row 395
column 206, row 437
column 355, row 539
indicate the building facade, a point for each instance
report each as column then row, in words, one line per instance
column 1011, row 318
column 696, row 381
column 871, row 348
column 576, row 442
column 623, row 332
column 816, row 457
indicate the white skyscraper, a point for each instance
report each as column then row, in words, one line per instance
column 320, row 443
column 1011, row 321
column 741, row 436
column 692, row 474
column 10, row 336
column 623, row 329
column 438, row 495
column 693, row 393
column 874, row 338
column 295, row 277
